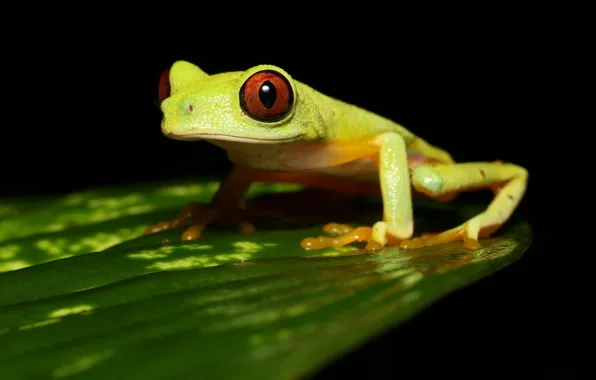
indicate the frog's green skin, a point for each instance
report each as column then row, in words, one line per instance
column 328, row 136
column 315, row 116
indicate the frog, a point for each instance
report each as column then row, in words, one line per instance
column 275, row 128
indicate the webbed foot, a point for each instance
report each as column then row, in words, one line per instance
column 346, row 235
column 426, row 240
column 468, row 232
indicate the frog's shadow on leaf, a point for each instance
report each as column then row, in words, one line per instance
column 310, row 209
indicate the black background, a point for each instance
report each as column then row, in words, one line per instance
column 79, row 111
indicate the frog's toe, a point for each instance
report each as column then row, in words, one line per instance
column 193, row 232
column 157, row 227
column 345, row 235
column 460, row 233
column 237, row 218
column 432, row 239
column 190, row 210
column 165, row 225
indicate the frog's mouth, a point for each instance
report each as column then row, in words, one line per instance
column 215, row 136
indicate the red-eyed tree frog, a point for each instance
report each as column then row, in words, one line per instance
column 275, row 128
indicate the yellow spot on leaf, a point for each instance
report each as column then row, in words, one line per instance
column 412, row 296
column 296, row 310
column 102, row 240
column 182, row 190
column 13, row 265
column 247, row 246
column 39, row 324
column 70, row 311
column 255, row 340
column 55, row 227
column 62, row 247
column 190, row 262
column 55, row 247
column 132, row 210
column 9, row 251
column 284, row 334
column 103, row 214
column 115, row 202
column 204, row 246
column 233, row 257
column 82, row 364
column 202, row 261
column 76, row 199
column 147, row 255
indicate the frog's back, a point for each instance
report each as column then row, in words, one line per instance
column 344, row 121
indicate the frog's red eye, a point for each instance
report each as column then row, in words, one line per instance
column 164, row 86
column 267, row 96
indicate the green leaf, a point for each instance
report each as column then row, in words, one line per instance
column 83, row 293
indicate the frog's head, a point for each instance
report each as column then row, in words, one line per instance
column 259, row 105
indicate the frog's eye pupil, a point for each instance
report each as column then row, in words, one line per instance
column 267, row 94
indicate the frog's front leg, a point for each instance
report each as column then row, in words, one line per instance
column 397, row 224
column 437, row 180
column 223, row 208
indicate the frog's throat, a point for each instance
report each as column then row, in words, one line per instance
column 215, row 136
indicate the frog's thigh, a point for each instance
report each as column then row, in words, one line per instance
column 437, row 180
column 394, row 178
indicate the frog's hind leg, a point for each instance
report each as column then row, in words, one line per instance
column 438, row 180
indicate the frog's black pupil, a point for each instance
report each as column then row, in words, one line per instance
column 267, row 94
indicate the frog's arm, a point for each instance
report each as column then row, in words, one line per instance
column 389, row 151
column 223, row 205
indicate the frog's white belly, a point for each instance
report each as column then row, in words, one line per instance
column 296, row 158
column 365, row 168
column 362, row 169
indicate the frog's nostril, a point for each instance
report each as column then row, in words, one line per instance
column 190, row 107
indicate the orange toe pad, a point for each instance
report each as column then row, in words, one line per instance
column 343, row 235
column 347, row 235
column 444, row 237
